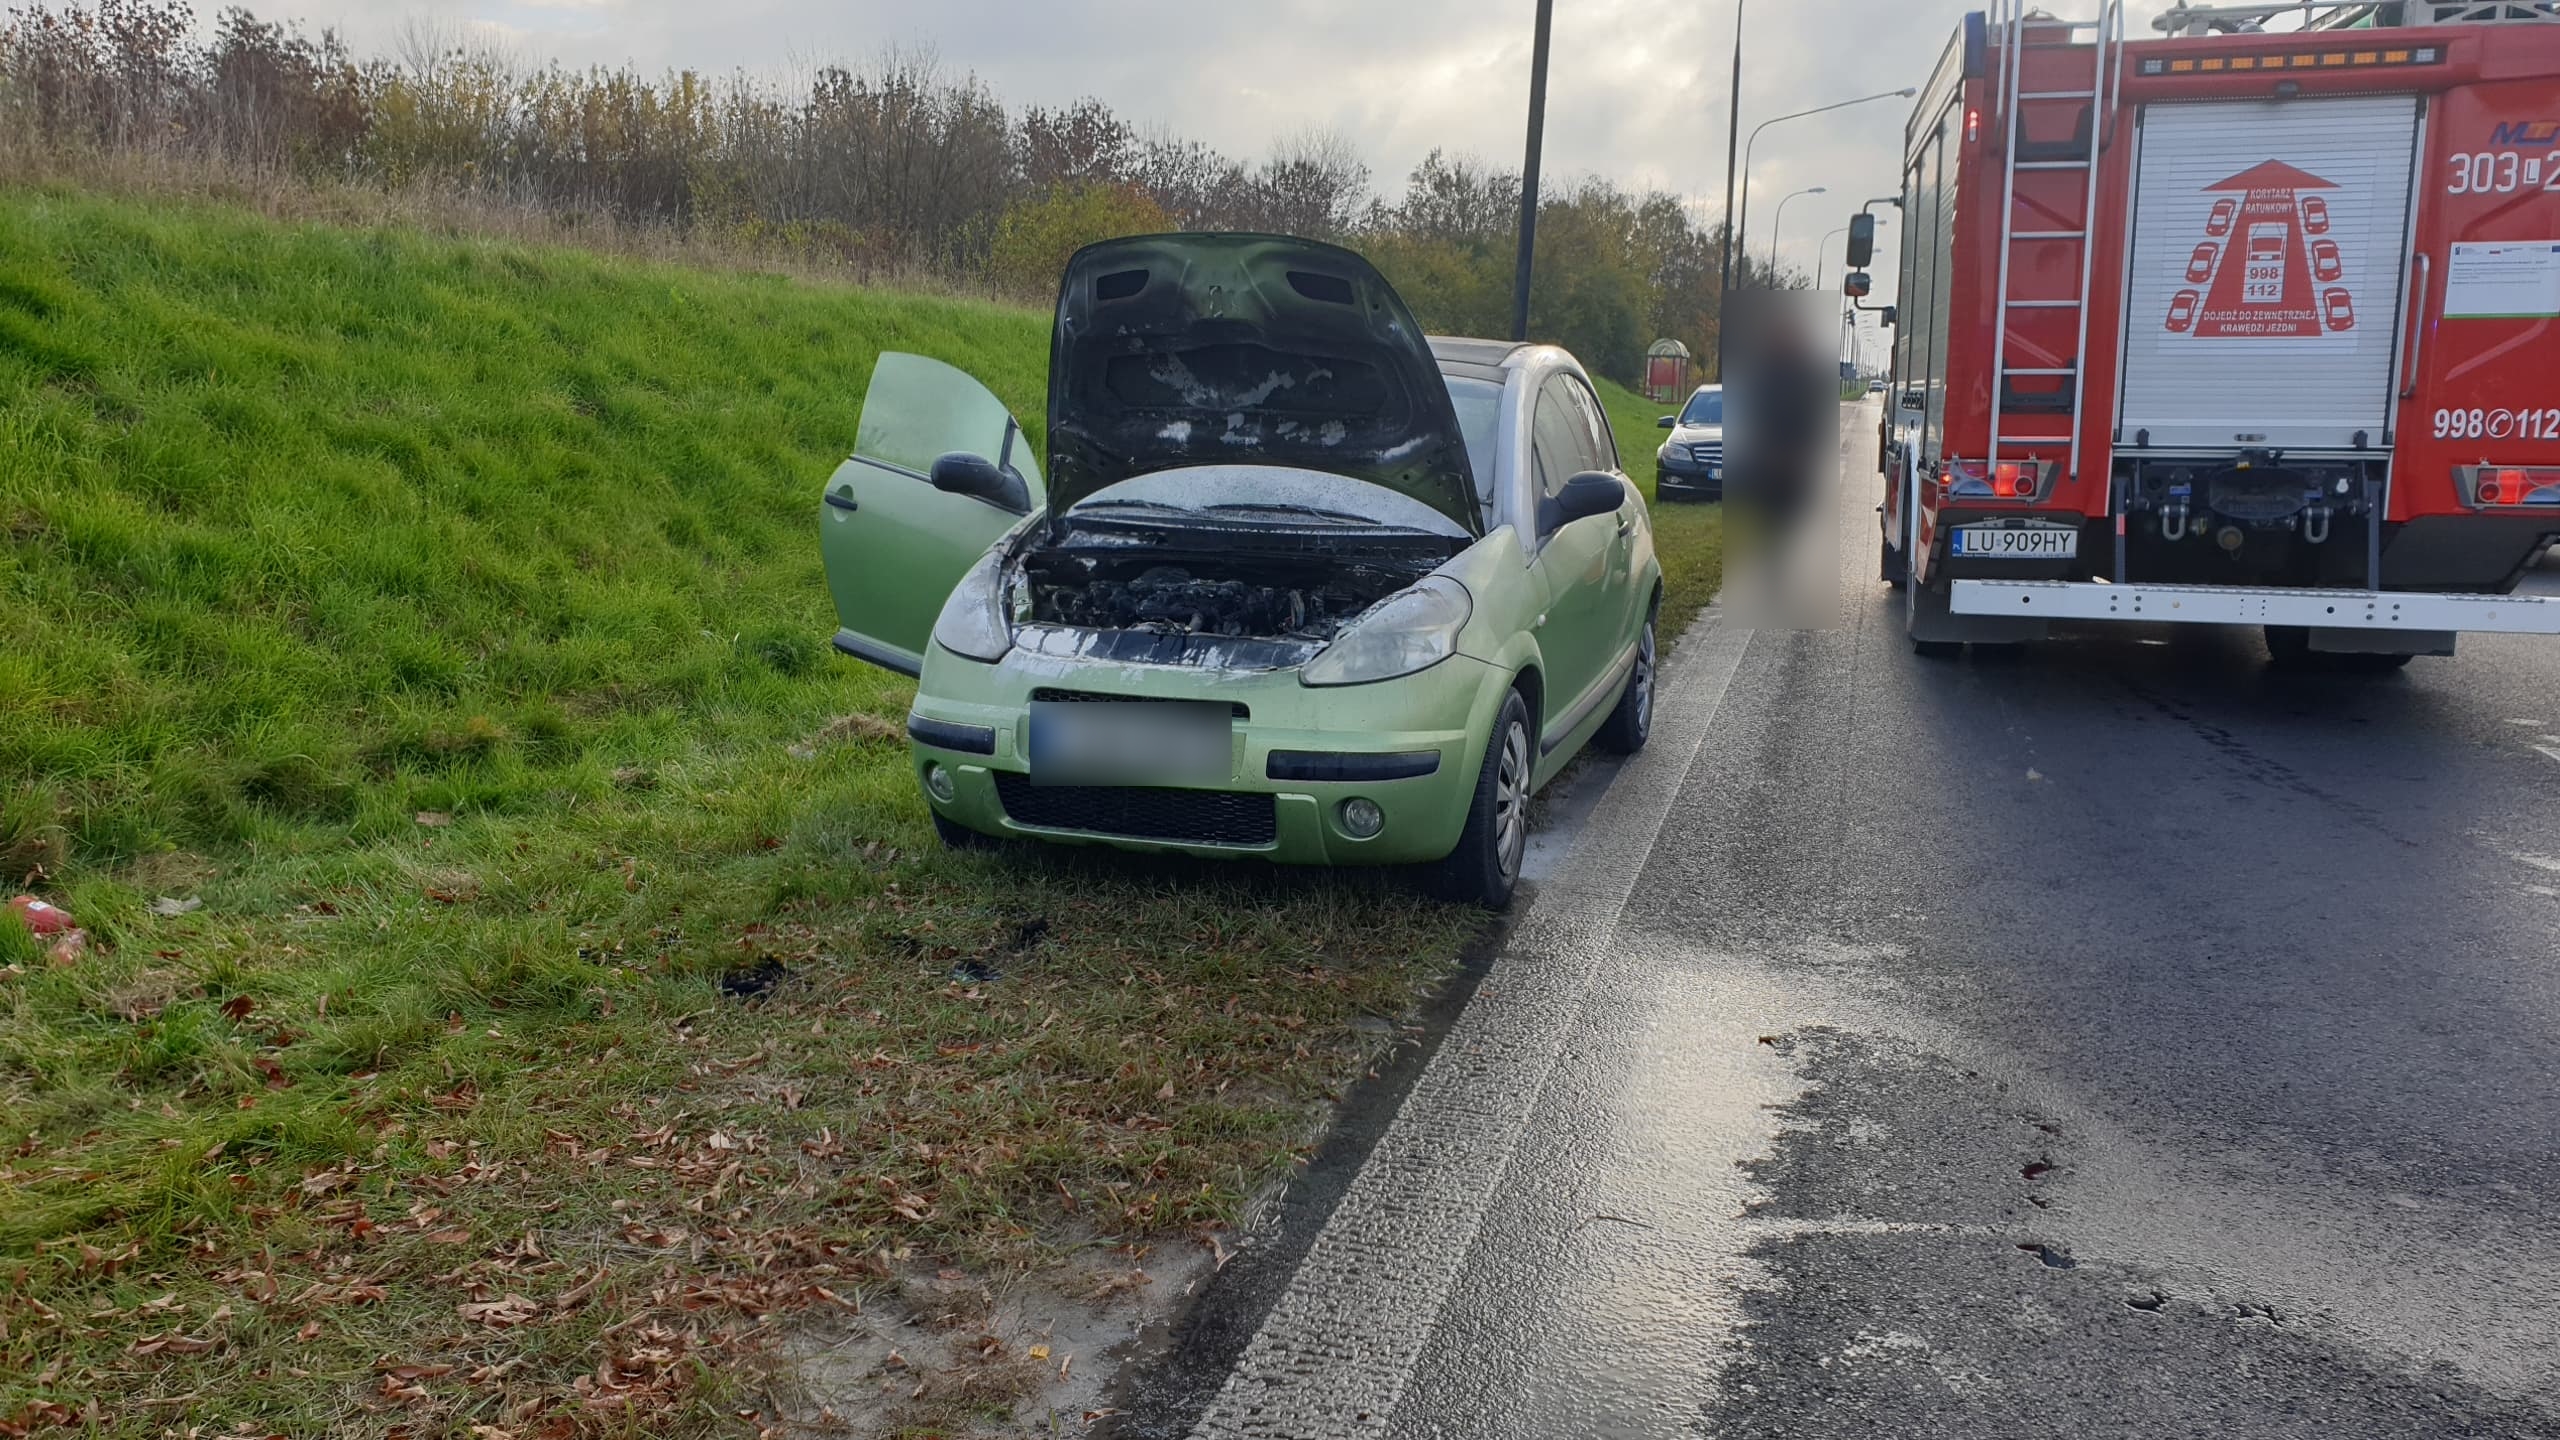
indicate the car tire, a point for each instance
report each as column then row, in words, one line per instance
column 1630, row 723
column 1484, row 869
column 956, row 836
column 1891, row 566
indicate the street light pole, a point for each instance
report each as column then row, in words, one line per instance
column 1780, row 223
column 1732, row 136
column 1529, row 174
column 1823, row 244
column 1743, row 223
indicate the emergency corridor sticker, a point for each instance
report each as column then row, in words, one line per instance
column 2266, row 265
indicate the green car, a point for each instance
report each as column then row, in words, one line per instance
column 1294, row 581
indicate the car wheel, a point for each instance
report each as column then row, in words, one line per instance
column 1895, row 572
column 1627, row 727
column 956, row 836
column 1485, row 868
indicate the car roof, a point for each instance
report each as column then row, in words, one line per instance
column 1470, row 359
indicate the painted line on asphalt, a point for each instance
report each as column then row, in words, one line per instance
column 1341, row 1343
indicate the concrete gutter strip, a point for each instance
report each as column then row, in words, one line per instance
column 1339, row 1346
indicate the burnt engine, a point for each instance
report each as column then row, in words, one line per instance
column 1301, row 596
column 1172, row 597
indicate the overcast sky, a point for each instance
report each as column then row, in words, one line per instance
column 1637, row 89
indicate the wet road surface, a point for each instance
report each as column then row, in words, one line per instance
column 2113, row 1038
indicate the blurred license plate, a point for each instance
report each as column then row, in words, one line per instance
column 1131, row 742
column 2017, row 542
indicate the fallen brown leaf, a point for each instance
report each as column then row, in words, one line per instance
column 501, row 1313
column 415, row 1372
column 172, row 1343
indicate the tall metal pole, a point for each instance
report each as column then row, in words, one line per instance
column 1529, row 174
column 1732, row 134
column 1732, row 138
column 1744, row 223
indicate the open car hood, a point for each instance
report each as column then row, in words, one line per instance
column 1179, row 350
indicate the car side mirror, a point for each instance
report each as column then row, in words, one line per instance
column 1593, row 492
column 1855, row 285
column 1862, row 241
column 1670, row 420
column 979, row 478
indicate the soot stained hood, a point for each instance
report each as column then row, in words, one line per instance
column 1223, row 349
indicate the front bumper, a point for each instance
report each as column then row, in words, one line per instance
column 1684, row 467
column 1689, row 478
column 1377, row 738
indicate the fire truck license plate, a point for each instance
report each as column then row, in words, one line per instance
column 2017, row 542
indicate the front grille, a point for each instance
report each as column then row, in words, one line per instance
column 1706, row 451
column 1237, row 708
column 1199, row 817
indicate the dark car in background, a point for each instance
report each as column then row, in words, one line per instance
column 1691, row 462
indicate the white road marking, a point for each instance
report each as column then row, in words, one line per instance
column 1341, row 1344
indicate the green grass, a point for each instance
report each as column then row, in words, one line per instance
column 447, row 619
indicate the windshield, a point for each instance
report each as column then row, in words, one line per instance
column 1479, row 407
column 1704, row 408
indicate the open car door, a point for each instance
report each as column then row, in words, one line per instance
column 939, row 472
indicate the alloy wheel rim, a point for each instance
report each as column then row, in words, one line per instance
column 1644, row 677
column 1511, row 799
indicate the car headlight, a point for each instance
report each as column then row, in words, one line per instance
column 972, row 622
column 1408, row 631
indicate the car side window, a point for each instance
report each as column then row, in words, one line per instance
column 1601, row 447
column 1556, row 440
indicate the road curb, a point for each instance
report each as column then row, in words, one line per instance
column 1338, row 1347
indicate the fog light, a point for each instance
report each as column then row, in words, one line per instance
column 939, row 784
column 1362, row 818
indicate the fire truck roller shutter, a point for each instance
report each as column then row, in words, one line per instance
column 2236, row 332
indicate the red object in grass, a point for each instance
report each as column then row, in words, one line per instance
column 42, row 919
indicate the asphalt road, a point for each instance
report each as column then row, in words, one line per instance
column 2116, row 1038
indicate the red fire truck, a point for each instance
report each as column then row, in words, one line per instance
column 2256, row 323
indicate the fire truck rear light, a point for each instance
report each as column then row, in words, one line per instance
column 2485, row 486
column 2003, row 480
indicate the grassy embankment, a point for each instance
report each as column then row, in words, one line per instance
column 577, row 1001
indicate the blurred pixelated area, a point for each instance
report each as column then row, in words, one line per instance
column 1782, row 438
